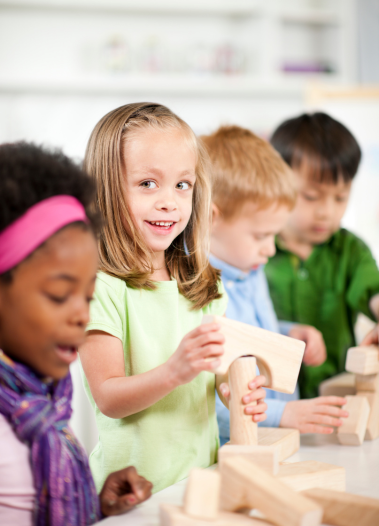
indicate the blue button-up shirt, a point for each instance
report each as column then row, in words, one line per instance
column 250, row 302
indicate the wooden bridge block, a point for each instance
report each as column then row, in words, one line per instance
column 353, row 429
column 363, row 360
column 202, row 496
column 372, row 429
column 340, row 385
column 175, row 516
column 245, row 485
column 266, row 457
column 309, row 474
column 345, row 509
column 286, row 440
column 278, row 357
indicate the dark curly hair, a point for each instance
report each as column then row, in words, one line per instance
column 29, row 174
column 328, row 147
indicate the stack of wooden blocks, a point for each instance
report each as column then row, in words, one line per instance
column 251, row 474
column 362, row 392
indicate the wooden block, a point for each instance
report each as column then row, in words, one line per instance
column 363, row 360
column 309, row 474
column 353, row 429
column 369, row 382
column 175, row 516
column 279, row 357
column 340, row 385
column 287, row 440
column 202, row 495
column 345, row 509
column 245, row 485
column 243, row 431
column 372, row 429
column 266, row 457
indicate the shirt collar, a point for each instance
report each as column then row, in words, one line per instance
column 228, row 271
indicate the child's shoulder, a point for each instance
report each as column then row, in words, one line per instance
column 347, row 241
column 107, row 284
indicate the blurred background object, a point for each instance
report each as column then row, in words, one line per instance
column 65, row 63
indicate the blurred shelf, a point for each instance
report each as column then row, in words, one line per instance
column 159, row 85
column 214, row 7
column 310, row 16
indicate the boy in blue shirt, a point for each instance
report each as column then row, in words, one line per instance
column 253, row 192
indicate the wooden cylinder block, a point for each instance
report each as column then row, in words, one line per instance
column 243, row 430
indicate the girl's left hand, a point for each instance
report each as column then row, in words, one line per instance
column 257, row 395
column 122, row 490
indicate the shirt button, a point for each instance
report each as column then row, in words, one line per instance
column 229, row 284
column 302, row 274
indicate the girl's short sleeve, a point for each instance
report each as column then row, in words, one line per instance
column 218, row 307
column 107, row 309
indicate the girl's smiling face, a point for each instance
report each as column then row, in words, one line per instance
column 45, row 308
column 160, row 174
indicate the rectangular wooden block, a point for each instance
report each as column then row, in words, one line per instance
column 372, row 429
column 287, row 440
column 202, row 495
column 309, row 474
column 345, row 509
column 363, row 360
column 368, row 382
column 266, row 457
column 279, row 357
column 340, row 385
column 175, row 516
column 353, row 429
column 248, row 486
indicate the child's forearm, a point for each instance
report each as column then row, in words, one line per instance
column 124, row 396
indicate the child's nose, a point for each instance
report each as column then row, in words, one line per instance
column 269, row 248
column 80, row 315
column 166, row 202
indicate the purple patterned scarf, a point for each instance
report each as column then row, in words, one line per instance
column 38, row 413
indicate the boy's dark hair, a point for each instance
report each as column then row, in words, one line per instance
column 325, row 145
column 29, row 174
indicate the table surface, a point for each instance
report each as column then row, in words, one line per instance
column 361, row 464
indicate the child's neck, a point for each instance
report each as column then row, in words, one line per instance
column 300, row 247
column 161, row 272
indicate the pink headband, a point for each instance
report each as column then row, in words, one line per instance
column 33, row 228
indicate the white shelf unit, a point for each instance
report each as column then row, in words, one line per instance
column 67, row 46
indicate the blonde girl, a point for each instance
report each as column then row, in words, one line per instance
column 146, row 359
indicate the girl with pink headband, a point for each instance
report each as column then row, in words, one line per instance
column 48, row 263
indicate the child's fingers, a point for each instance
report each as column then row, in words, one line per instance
column 224, row 389
column 211, row 350
column 332, row 400
column 326, row 420
column 313, row 428
column 255, row 409
column 201, row 330
column 332, row 410
column 259, row 394
column 205, row 339
column 258, row 381
column 259, row 418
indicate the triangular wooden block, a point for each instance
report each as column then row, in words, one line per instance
column 310, row 474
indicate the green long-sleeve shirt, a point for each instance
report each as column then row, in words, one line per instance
column 328, row 290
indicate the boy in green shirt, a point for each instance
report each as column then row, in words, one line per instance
column 322, row 274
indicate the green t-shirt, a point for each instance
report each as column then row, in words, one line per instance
column 328, row 290
column 180, row 431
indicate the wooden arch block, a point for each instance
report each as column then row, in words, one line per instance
column 278, row 357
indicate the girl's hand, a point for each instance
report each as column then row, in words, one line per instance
column 315, row 350
column 122, row 490
column 198, row 351
column 317, row 415
column 257, row 395
column 372, row 338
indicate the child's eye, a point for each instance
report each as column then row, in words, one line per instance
column 310, row 197
column 183, row 185
column 341, row 199
column 148, row 184
column 57, row 299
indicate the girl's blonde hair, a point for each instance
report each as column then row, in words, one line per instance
column 123, row 251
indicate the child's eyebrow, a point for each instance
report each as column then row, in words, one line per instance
column 67, row 277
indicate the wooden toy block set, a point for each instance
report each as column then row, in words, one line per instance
column 251, row 484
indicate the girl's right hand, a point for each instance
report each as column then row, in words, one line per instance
column 195, row 353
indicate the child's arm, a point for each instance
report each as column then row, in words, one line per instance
column 118, row 396
column 315, row 350
column 317, row 415
column 374, row 305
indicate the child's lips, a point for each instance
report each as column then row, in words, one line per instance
column 66, row 353
column 160, row 229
